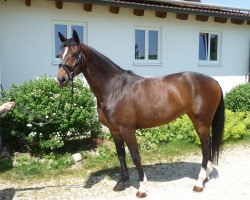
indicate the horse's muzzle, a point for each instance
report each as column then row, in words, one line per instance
column 62, row 81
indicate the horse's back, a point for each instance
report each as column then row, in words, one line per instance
column 194, row 83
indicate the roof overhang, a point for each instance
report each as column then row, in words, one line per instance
column 174, row 7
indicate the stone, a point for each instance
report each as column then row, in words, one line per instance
column 77, row 157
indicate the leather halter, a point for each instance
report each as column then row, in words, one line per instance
column 71, row 71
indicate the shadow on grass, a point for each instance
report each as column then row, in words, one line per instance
column 165, row 172
column 9, row 193
column 6, row 164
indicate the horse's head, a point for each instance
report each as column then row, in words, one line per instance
column 71, row 59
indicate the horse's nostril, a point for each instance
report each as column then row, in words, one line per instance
column 61, row 80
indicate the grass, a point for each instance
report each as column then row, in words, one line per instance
column 56, row 166
column 244, row 141
column 25, row 167
column 170, row 152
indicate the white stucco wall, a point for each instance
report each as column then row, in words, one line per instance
column 26, row 41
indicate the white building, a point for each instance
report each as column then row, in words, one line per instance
column 151, row 38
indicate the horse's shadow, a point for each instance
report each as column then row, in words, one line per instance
column 164, row 172
column 7, row 194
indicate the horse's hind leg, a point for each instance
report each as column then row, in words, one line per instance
column 203, row 131
column 206, row 166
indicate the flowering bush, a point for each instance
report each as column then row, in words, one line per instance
column 238, row 99
column 45, row 99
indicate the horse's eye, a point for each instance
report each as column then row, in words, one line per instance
column 74, row 55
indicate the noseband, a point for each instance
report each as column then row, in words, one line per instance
column 71, row 71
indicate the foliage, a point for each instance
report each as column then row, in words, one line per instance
column 45, row 99
column 5, row 164
column 236, row 126
column 24, row 166
column 106, row 150
column 179, row 129
column 238, row 99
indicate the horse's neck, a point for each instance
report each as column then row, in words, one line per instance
column 100, row 73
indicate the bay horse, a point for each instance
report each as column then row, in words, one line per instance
column 126, row 102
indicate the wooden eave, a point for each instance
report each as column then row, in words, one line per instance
column 87, row 7
column 182, row 10
column 28, row 3
column 59, row 4
column 146, row 6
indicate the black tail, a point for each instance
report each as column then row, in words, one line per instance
column 217, row 130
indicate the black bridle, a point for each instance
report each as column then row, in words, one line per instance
column 71, row 71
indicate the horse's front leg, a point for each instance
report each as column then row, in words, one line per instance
column 130, row 139
column 120, row 148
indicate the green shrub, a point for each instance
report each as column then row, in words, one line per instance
column 180, row 129
column 235, row 128
column 237, row 124
column 238, row 99
column 45, row 99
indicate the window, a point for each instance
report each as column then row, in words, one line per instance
column 66, row 28
column 209, row 48
column 147, row 46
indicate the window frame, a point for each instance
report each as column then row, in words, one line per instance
column 208, row 61
column 147, row 61
column 69, row 24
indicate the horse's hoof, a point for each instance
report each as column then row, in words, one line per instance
column 119, row 187
column 141, row 194
column 197, row 189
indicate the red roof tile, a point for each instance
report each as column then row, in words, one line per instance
column 178, row 7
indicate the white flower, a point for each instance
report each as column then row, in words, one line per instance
column 32, row 134
column 69, row 133
column 29, row 125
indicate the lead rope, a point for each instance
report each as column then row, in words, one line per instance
column 45, row 121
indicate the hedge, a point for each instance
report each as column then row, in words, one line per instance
column 45, row 99
column 238, row 99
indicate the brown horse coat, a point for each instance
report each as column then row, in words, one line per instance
column 126, row 102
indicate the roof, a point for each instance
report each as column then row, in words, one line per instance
column 185, row 7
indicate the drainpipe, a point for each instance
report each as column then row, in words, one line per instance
column 249, row 65
column 1, row 143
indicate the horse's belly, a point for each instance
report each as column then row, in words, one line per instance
column 156, row 120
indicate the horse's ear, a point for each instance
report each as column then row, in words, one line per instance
column 61, row 36
column 76, row 37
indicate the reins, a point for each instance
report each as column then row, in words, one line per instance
column 43, row 120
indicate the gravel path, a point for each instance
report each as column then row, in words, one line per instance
column 175, row 181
